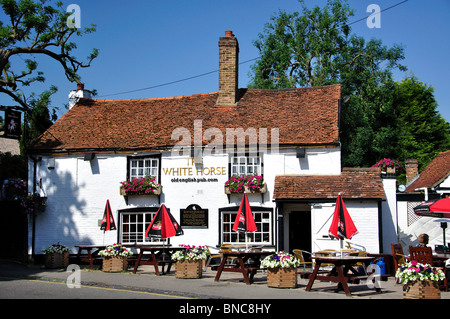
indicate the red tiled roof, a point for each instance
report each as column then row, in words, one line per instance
column 353, row 183
column 304, row 116
column 432, row 175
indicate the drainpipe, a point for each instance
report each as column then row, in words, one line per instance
column 33, row 231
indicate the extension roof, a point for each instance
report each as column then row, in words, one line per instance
column 304, row 116
column 433, row 174
column 352, row 183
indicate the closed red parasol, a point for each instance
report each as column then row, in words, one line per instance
column 244, row 222
column 342, row 225
column 108, row 218
column 163, row 225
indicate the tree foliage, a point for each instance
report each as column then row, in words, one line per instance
column 35, row 28
column 38, row 119
column 421, row 131
column 315, row 47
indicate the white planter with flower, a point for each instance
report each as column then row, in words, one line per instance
column 420, row 281
column 189, row 261
column 281, row 270
column 115, row 258
column 56, row 256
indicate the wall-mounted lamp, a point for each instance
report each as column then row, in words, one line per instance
column 300, row 152
column 89, row 156
column 51, row 163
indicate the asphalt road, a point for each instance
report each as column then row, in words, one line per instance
column 13, row 288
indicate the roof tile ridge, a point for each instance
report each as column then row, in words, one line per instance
column 303, row 88
column 151, row 99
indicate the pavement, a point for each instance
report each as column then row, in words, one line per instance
column 230, row 286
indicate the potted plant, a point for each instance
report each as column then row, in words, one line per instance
column 420, row 281
column 189, row 261
column 281, row 270
column 389, row 166
column 140, row 186
column 56, row 256
column 115, row 258
column 245, row 184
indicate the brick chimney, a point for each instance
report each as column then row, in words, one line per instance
column 228, row 69
column 412, row 169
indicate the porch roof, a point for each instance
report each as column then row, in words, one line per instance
column 352, row 183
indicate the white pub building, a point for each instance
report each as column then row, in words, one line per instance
column 290, row 137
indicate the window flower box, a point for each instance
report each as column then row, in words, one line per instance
column 245, row 184
column 389, row 166
column 140, row 186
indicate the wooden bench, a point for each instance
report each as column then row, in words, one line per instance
column 92, row 254
column 154, row 257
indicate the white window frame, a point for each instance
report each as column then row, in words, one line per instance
column 133, row 225
column 246, row 165
column 262, row 236
column 143, row 166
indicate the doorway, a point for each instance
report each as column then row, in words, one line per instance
column 300, row 231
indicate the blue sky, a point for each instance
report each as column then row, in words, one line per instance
column 149, row 43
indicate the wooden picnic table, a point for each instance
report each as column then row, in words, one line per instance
column 245, row 262
column 92, row 253
column 342, row 271
column 158, row 255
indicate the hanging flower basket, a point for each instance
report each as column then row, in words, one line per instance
column 140, row 186
column 115, row 264
column 188, row 269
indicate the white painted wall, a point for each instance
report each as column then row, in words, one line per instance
column 389, row 214
column 77, row 191
column 408, row 234
column 364, row 215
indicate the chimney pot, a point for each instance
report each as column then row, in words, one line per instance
column 229, row 34
column 80, row 92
